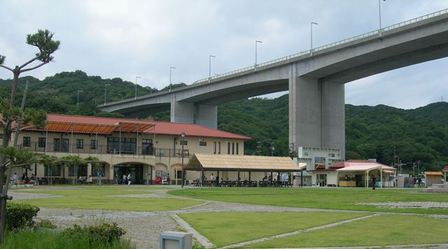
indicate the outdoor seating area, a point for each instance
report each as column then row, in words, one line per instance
column 242, row 171
column 245, row 183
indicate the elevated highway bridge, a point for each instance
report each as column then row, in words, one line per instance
column 315, row 80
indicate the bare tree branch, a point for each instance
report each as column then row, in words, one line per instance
column 10, row 69
column 32, row 68
column 28, row 62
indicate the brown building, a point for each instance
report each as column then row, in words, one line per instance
column 150, row 151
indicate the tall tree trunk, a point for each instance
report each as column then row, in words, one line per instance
column 19, row 120
column 5, row 143
column 15, row 82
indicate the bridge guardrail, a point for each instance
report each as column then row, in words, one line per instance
column 326, row 46
column 309, row 52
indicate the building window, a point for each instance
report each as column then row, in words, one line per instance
column 179, row 174
column 26, row 141
column 219, row 147
column 98, row 170
column 202, row 143
column 233, row 148
column 93, row 144
column 214, row 150
column 237, row 148
column 79, row 143
column 80, row 170
column 128, row 145
column 183, row 142
column 147, row 147
column 41, row 142
column 228, row 148
column 52, row 170
column 61, row 145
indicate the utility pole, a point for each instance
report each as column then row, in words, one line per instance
column 105, row 92
column 77, row 99
column 182, row 155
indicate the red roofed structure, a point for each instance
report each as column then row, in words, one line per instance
column 148, row 151
column 104, row 125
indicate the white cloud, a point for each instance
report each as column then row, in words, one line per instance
column 119, row 38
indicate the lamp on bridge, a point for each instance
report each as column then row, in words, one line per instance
column 256, row 50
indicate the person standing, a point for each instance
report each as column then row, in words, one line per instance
column 129, row 179
column 373, row 182
column 123, row 179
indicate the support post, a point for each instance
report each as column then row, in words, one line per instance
column 217, row 178
column 301, row 178
column 238, row 177
column 316, row 113
column 381, row 177
column 202, row 178
column 191, row 113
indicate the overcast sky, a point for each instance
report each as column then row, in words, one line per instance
column 130, row 38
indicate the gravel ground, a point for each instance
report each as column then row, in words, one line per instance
column 144, row 228
column 409, row 204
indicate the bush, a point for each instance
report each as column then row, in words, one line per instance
column 53, row 239
column 47, row 224
column 101, row 233
column 20, row 216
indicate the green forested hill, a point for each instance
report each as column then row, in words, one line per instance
column 372, row 131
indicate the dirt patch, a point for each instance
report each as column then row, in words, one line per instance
column 425, row 205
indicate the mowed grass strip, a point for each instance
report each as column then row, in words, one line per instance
column 232, row 227
column 384, row 230
column 326, row 198
column 106, row 198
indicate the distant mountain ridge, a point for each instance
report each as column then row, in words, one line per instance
column 419, row 134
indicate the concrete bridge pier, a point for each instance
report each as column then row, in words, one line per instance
column 316, row 113
column 194, row 113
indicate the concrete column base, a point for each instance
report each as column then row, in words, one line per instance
column 191, row 113
column 316, row 113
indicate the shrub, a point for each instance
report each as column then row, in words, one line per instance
column 20, row 216
column 53, row 239
column 45, row 224
column 101, row 233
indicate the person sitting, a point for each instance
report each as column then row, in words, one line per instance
column 90, row 179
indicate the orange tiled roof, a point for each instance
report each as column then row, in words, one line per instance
column 102, row 125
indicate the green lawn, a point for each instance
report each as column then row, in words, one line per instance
column 376, row 231
column 326, row 198
column 106, row 198
column 233, row 227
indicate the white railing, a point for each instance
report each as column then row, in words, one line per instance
column 323, row 47
column 286, row 59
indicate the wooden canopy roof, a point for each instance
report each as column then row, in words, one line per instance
column 92, row 128
column 244, row 163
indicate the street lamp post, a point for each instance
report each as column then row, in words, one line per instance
column 311, row 35
column 77, row 98
column 210, row 67
column 380, row 15
column 171, row 70
column 136, row 78
column 105, row 92
column 272, row 150
column 256, row 51
column 182, row 141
